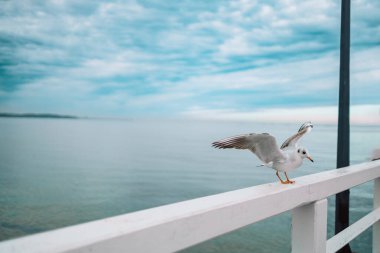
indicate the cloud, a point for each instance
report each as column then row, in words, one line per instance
column 360, row 114
column 256, row 28
column 297, row 77
column 126, row 57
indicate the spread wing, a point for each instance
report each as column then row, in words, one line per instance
column 293, row 140
column 263, row 145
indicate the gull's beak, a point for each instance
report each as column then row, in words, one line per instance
column 311, row 159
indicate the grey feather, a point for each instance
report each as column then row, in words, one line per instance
column 293, row 140
column 263, row 145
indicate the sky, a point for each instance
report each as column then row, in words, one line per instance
column 215, row 59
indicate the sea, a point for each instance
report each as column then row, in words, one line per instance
column 60, row 172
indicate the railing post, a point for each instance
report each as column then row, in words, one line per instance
column 376, row 226
column 309, row 228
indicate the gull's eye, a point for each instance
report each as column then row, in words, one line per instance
column 298, row 151
column 304, row 152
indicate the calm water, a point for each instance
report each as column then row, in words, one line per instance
column 58, row 172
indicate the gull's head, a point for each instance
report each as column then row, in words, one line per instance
column 304, row 153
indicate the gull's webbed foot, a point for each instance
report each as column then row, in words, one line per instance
column 282, row 182
column 288, row 180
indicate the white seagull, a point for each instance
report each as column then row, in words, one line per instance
column 286, row 158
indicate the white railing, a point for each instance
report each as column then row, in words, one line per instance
column 177, row 226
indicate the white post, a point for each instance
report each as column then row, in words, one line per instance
column 376, row 226
column 309, row 228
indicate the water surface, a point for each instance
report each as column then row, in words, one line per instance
column 60, row 172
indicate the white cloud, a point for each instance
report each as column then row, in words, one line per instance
column 302, row 75
column 298, row 77
column 156, row 100
column 102, row 68
column 270, row 27
column 150, row 54
column 125, row 10
column 360, row 114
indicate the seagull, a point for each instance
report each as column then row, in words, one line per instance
column 286, row 158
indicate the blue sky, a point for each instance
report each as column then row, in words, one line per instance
column 203, row 59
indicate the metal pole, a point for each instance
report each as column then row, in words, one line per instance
column 342, row 202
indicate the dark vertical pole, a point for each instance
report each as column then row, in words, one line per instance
column 342, row 202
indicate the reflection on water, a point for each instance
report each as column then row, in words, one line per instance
column 55, row 173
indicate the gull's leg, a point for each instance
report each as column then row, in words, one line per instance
column 287, row 179
column 282, row 182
